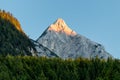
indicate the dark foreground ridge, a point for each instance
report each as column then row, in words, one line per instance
column 41, row 68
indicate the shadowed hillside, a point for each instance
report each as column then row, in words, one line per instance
column 13, row 40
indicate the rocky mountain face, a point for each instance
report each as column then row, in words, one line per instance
column 61, row 41
column 43, row 51
column 13, row 41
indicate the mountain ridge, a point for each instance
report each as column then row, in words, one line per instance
column 59, row 39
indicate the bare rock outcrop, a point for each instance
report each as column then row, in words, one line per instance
column 66, row 43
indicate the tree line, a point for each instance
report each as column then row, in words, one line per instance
column 42, row 68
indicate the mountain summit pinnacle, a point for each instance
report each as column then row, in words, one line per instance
column 61, row 26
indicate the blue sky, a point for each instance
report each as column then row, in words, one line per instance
column 98, row 20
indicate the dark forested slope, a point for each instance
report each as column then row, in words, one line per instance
column 13, row 40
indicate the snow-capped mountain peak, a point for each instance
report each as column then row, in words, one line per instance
column 61, row 26
column 66, row 43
